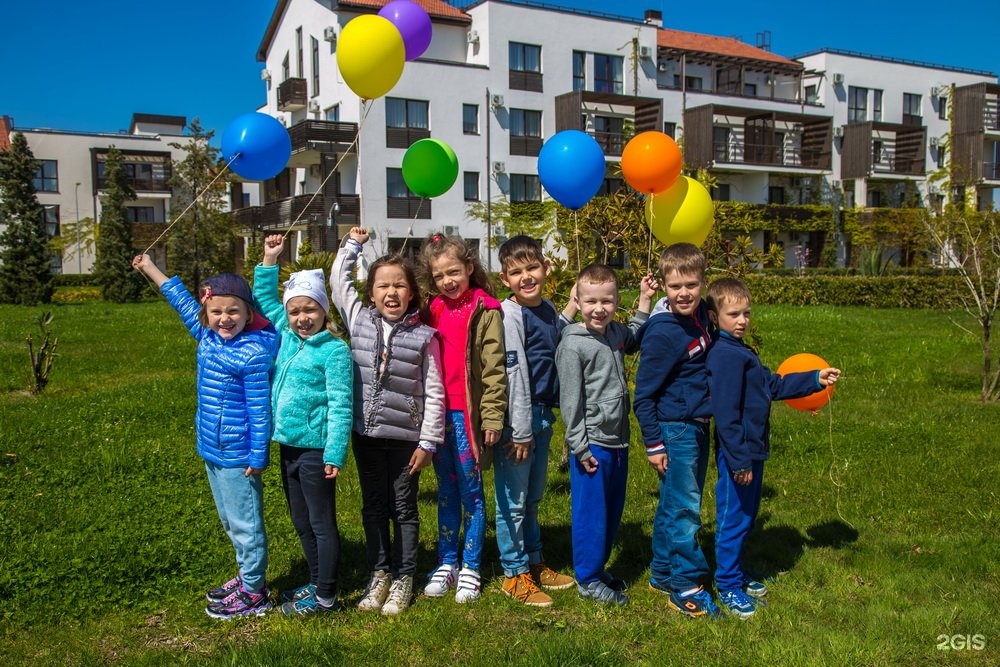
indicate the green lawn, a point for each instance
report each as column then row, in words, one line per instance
column 879, row 528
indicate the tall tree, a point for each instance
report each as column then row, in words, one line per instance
column 113, row 270
column 25, row 264
column 203, row 242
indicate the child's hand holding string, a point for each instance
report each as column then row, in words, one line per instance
column 274, row 244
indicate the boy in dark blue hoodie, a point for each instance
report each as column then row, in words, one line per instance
column 742, row 389
column 671, row 404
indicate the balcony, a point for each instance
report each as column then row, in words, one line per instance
column 975, row 128
column 403, row 137
column 572, row 108
column 280, row 214
column 612, row 143
column 525, row 145
column 313, row 138
column 292, row 94
column 408, row 207
column 521, row 80
column 886, row 149
column 718, row 135
column 141, row 184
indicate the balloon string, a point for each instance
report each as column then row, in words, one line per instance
column 649, row 232
column 193, row 202
column 344, row 154
column 576, row 237
column 409, row 235
column 833, row 462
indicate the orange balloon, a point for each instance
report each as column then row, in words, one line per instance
column 651, row 162
column 798, row 363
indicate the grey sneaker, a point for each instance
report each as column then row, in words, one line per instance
column 400, row 595
column 601, row 592
column 376, row 591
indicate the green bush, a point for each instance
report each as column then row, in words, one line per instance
column 871, row 291
column 74, row 280
column 77, row 294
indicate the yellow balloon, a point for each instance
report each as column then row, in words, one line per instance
column 683, row 213
column 371, row 55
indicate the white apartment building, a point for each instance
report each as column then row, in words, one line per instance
column 501, row 76
column 70, row 177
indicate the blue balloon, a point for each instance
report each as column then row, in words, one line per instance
column 260, row 144
column 571, row 167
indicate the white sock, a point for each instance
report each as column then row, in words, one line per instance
column 690, row 592
column 326, row 602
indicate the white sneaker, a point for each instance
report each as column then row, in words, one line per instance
column 376, row 591
column 468, row 586
column 441, row 581
column 400, row 595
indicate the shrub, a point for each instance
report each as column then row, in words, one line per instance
column 870, row 291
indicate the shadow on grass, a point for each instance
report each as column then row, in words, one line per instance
column 771, row 550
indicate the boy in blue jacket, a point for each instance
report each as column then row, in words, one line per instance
column 742, row 390
column 671, row 404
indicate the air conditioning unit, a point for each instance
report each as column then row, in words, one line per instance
column 838, row 78
column 646, row 52
column 265, row 75
column 499, row 167
column 496, row 100
column 939, row 91
column 838, row 131
column 330, row 33
column 313, row 106
column 450, row 230
column 472, row 37
column 935, row 141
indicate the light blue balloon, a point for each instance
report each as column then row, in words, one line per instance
column 260, row 144
column 571, row 167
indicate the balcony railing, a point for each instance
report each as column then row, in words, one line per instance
column 141, row 184
column 612, row 143
column 325, row 135
column 773, row 155
column 531, row 81
column 282, row 213
column 408, row 207
column 403, row 137
column 292, row 94
column 525, row 145
column 991, row 171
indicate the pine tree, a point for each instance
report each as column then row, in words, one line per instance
column 119, row 282
column 202, row 243
column 25, row 265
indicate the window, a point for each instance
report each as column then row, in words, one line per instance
column 670, row 129
column 690, row 82
column 47, row 176
column 750, row 90
column 877, row 151
column 609, row 132
column 721, row 192
column 471, row 179
column 245, row 199
column 525, row 67
column 525, row 132
column 811, row 95
column 405, row 121
column 720, row 144
column 911, row 109
column 525, row 187
column 298, row 52
column 315, row 65
column 608, row 77
column 940, row 158
column 285, row 72
column 50, row 215
column 876, row 104
column 470, row 118
column 874, row 198
column 139, row 214
column 775, row 194
column 579, row 70
column 942, row 108
column 401, row 202
column 857, row 104
column 333, row 113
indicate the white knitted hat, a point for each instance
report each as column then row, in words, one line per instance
column 310, row 283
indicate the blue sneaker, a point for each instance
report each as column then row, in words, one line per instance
column 306, row 606
column 754, row 588
column 695, row 604
column 659, row 587
column 739, row 603
column 601, row 592
column 613, row 582
column 300, row 593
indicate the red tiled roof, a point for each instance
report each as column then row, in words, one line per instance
column 723, row 46
column 434, row 8
column 6, row 125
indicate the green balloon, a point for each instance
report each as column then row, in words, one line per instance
column 430, row 167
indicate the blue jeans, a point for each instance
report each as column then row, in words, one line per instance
column 736, row 511
column 460, row 495
column 596, row 503
column 239, row 501
column 519, row 490
column 678, row 561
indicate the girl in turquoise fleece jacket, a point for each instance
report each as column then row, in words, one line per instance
column 312, row 401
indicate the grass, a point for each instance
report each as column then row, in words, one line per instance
column 878, row 531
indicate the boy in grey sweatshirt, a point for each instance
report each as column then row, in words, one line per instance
column 594, row 400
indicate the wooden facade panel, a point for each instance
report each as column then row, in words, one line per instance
column 569, row 111
column 698, row 136
column 856, row 152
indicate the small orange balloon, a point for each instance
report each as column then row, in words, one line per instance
column 651, row 162
column 797, row 363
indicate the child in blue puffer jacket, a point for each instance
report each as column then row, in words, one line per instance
column 236, row 350
column 312, row 399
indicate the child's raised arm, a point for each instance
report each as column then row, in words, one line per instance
column 647, row 290
column 146, row 265
column 274, row 244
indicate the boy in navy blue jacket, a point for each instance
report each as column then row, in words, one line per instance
column 742, row 390
column 671, row 404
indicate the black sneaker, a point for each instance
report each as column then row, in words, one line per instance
column 220, row 593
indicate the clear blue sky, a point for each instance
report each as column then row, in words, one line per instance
column 89, row 65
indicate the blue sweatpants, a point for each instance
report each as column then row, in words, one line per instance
column 597, row 501
column 736, row 510
column 460, row 496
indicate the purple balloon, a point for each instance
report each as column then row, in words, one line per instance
column 413, row 24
